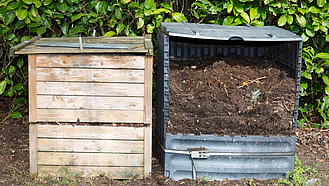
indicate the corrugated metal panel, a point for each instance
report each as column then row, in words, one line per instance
column 219, row 32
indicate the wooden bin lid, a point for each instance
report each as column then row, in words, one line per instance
column 70, row 45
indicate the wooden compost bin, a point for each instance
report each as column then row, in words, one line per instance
column 110, row 85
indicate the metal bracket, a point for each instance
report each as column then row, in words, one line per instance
column 200, row 154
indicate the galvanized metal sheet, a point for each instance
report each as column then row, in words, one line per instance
column 220, row 32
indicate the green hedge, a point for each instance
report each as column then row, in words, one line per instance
column 21, row 19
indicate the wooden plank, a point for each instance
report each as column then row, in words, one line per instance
column 56, row 50
column 23, row 44
column 110, row 172
column 90, row 132
column 147, row 151
column 94, row 75
column 33, row 150
column 109, row 116
column 90, row 159
column 80, row 145
column 148, row 90
column 90, row 102
column 148, row 44
column 32, row 88
column 90, row 61
column 90, row 89
column 93, row 39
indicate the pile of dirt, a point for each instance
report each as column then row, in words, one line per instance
column 233, row 95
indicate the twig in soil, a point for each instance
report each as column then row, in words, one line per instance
column 275, row 85
column 225, row 90
column 177, row 87
column 246, row 84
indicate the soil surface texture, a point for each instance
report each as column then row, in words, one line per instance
column 233, row 95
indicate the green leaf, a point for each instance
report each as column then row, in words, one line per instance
column 148, row 4
column 166, row 5
column 18, row 86
column 3, row 85
column 239, row 8
column 322, row 55
column 245, row 16
column 12, row 6
column 41, row 30
column 25, row 38
column 20, row 63
column 77, row 16
column 179, row 17
column 65, row 28
column 119, row 28
column 290, row 19
column 21, row 15
column 229, row 8
column 37, row 3
column 118, row 14
column 47, row 2
column 327, row 90
column 161, row 10
column 11, row 91
column 19, row 25
column 228, row 20
column 15, row 115
column 282, row 20
column 150, row 28
column 11, row 71
column 196, row 15
column 140, row 23
column 110, row 34
column 309, row 32
column 306, row 75
column 62, row 7
column 301, row 20
column 10, row 36
column 34, row 11
column 253, row 13
column 325, row 79
column 321, row 2
column 10, row 18
column 133, row 5
column 314, row 10
column 27, row 1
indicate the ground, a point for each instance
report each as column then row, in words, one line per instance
column 311, row 148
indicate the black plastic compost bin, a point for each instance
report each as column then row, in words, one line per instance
column 228, row 157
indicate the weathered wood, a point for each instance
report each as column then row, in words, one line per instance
column 23, row 44
column 148, row 90
column 148, row 44
column 147, row 151
column 111, row 172
column 90, row 132
column 32, row 88
column 33, row 150
column 90, row 61
column 90, row 75
column 90, row 159
column 90, row 102
column 90, row 89
column 108, row 116
column 81, row 145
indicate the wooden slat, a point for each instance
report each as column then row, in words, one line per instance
column 90, row 132
column 90, row 89
column 74, row 145
column 147, row 151
column 90, row 102
column 116, row 116
column 94, row 75
column 127, row 40
column 90, row 159
column 22, row 45
column 90, row 61
column 49, row 50
column 33, row 150
column 32, row 88
column 148, row 90
column 111, row 172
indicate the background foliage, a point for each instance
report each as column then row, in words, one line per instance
column 21, row 19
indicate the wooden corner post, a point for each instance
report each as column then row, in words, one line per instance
column 33, row 150
column 32, row 88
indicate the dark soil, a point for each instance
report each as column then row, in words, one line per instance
column 233, row 95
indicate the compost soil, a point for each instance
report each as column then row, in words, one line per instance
column 233, row 95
